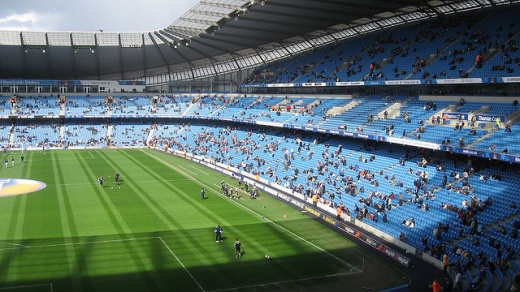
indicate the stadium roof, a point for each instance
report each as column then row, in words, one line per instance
column 214, row 37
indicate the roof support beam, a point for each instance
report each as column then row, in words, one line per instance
column 290, row 6
column 120, row 50
column 168, row 43
column 215, row 47
column 96, row 52
column 225, row 5
column 24, row 54
column 255, row 38
column 293, row 15
column 143, row 51
column 260, row 21
column 49, row 63
column 162, row 55
column 73, row 56
column 206, row 12
column 210, row 59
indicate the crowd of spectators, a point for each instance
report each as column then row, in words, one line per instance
column 444, row 48
column 322, row 168
column 336, row 176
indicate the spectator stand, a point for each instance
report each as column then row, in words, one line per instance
column 86, row 106
column 288, row 149
column 307, row 161
column 126, row 134
column 30, row 106
column 84, row 134
column 356, row 114
column 131, row 106
column 500, row 53
column 171, row 105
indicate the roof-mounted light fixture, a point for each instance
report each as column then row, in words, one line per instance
column 28, row 48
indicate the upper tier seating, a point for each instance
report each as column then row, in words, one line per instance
column 444, row 48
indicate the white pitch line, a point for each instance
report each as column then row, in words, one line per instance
column 134, row 181
column 183, row 266
column 80, row 243
column 255, row 213
column 91, row 155
column 50, row 159
column 282, row 282
column 16, row 244
column 295, row 235
column 199, row 170
column 186, row 169
column 28, row 286
column 108, row 241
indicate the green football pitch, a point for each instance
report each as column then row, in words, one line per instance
column 152, row 232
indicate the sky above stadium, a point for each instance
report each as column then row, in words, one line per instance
column 91, row 15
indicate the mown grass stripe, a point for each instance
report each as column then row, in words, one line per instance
column 158, row 201
column 280, row 230
column 205, row 256
column 18, row 229
column 185, row 239
column 11, row 226
column 155, row 277
column 183, row 266
column 254, row 247
column 115, row 217
column 69, row 230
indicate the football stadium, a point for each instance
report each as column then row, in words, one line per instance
column 266, row 145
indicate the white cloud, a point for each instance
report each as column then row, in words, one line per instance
column 29, row 21
column 31, row 17
column 91, row 15
column 15, row 28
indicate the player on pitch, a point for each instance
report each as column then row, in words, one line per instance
column 116, row 178
column 238, row 253
column 218, row 233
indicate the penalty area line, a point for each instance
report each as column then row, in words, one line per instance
column 29, row 286
column 91, row 155
column 50, row 159
column 256, row 214
column 282, row 282
column 78, row 243
column 18, row 246
column 297, row 236
column 134, row 181
column 15, row 244
column 183, row 266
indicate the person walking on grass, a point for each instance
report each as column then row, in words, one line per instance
column 116, row 178
column 202, row 194
column 238, row 253
column 218, row 233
